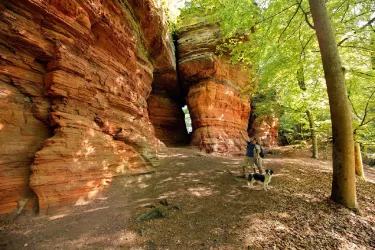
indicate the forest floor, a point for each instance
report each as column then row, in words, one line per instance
column 206, row 205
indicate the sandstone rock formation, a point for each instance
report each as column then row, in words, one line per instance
column 218, row 110
column 265, row 129
column 75, row 78
column 168, row 119
column 89, row 90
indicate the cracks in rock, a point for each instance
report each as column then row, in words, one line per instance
column 120, row 134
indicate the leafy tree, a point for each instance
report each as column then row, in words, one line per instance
column 278, row 40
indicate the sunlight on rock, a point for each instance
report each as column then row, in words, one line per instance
column 4, row 93
column 120, row 80
column 105, row 164
column 81, row 201
column 121, row 168
column 180, row 164
column 92, row 194
column 91, row 132
column 1, row 126
column 90, row 184
column 89, row 150
column 57, row 217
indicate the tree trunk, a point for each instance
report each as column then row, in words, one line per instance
column 358, row 161
column 372, row 44
column 343, row 183
column 313, row 134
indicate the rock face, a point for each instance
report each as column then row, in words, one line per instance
column 168, row 119
column 265, row 129
column 218, row 110
column 75, row 79
column 89, row 91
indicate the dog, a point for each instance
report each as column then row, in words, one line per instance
column 262, row 178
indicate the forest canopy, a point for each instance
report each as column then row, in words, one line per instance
column 277, row 39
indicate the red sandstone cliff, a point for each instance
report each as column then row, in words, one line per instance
column 265, row 129
column 89, row 91
column 218, row 110
column 75, row 76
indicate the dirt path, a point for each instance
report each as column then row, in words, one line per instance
column 209, row 207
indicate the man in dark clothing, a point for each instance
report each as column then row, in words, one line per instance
column 250, row 155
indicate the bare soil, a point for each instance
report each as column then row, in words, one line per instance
column 208, row 206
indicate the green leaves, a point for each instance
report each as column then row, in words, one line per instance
column 276, row 40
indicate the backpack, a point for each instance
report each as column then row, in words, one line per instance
column 261, row 154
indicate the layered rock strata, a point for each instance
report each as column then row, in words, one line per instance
column 219, row 112
column 167, row 117
column 79, row 73
column 265, row 129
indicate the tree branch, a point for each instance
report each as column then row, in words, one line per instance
column 339, row 7
column 355, row 112
column 307, row 20
column 306, row 16
column 290, row 20
column 346, row 11
column 368, row 23
column 366, row 109
column 361, row 73
column 355, row 47
column 278, row 13
column 304, row 46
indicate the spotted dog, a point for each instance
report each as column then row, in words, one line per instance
column 262, row 178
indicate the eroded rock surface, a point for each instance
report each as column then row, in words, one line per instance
column 218, row 110
column 78, row 73
column 265, row 129
column 167, row 117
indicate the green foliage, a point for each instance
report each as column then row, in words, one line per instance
column 276, row 40
column 188, row 122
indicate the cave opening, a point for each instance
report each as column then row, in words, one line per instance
column 188, row 124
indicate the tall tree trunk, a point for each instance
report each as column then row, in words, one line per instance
column 358, row 161
column 313, row 134
column 343, row 183
column 372, row 44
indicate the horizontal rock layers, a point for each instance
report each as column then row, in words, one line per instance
column 167, row 117
column 23, row 113
column 79, row 73
column 265, row 129
column 218, row 111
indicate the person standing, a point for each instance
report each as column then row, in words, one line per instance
column 249, row 157
column 257, row 158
